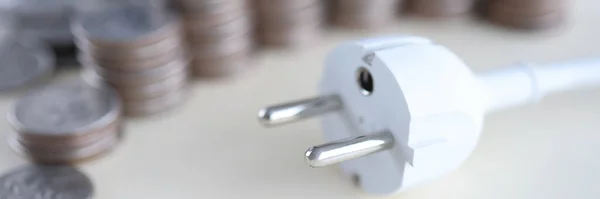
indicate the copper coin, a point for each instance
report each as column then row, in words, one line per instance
column 127, row 27
column 148, row 107
column 61, row 146
column 528, row 8
column 42, row 150
column 143, row 52
column 440, row 8
column 361, row 21
column 120, row 78
column 535, row 4
column 359, row 14
column 150, row 90
column 73, row 156
column 282, row 5
column 527, row 22
column 221, row 48
column 221, row 66
column 202, row 33
column 285, row 18
column 291, row 37
column 155, row 89
column 62, row 119
column 214, row 19
column 364, row 7
column 210, row 6
column 61, row 142
column 133, row 65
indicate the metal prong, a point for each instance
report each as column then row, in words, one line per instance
column 347, row 149
column 298, row 110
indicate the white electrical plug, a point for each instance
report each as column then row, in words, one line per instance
column 401, row 111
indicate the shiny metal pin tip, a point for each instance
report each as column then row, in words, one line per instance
column 298, row 110
column 348, row 149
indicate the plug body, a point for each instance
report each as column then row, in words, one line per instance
column 420, row 92
column 400, row 111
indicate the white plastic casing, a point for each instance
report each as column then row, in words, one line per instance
column 423, row 93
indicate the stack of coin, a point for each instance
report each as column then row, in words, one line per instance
column 288, row 22
column 530, row 14
column 139, row 51
column 363, row 13
column 218, row 34
column 25, row 62
column 66, row 122
column 440, row 8
column 7, row 25
column 36, row 181
column 48, row 20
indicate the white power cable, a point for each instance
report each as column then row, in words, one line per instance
column 527, row 83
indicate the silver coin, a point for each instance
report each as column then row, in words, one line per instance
column 24, row 61
column 127, row 26
column 56, row 20
column 7, row 25
column 43, row 16
column 46, row 24
column 63, row 109
column 54, row 37
column 32, row 7
column 46, row 182
column 39, row 11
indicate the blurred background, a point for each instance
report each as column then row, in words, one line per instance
column 190, row 76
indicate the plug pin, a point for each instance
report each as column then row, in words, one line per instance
column 347, row 149
column 298, row 110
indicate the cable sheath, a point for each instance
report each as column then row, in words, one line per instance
column 526, row 83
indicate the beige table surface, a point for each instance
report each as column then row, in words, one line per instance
column 213, row 147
